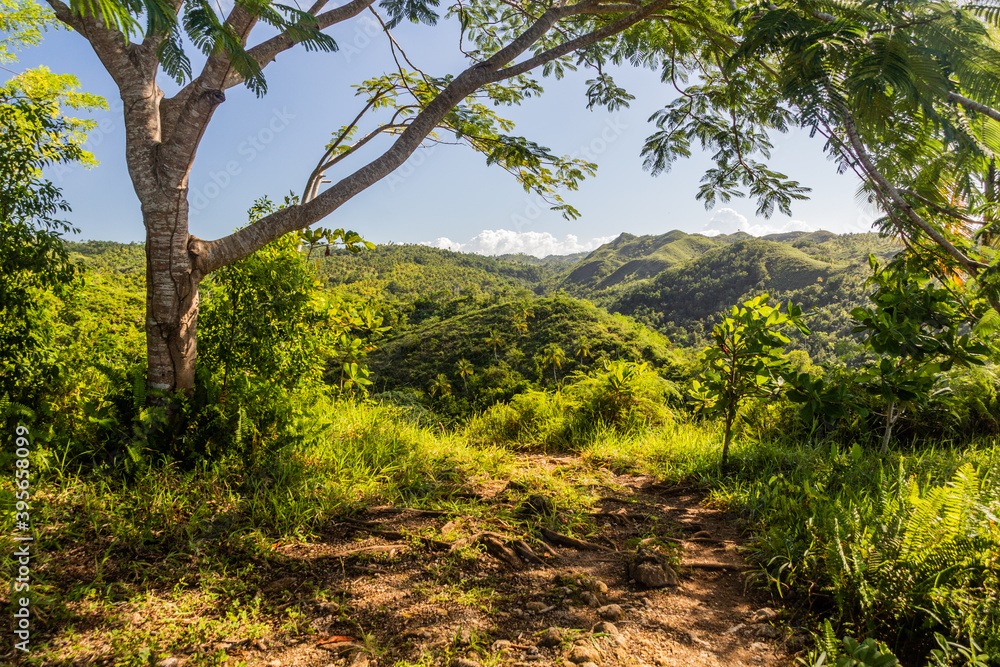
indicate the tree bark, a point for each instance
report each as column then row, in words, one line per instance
column 730, row 416
column 171, row 300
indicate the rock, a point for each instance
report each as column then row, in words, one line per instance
column 584, row 654
column 282, row 584
column 611, row 612
column 763, row 615
column 464, row 662
column 605, row 628
column 690, row 636
column 537, row 505
column 651, row 575
column 650, row 569
column 551, row 637
column 168, row 662
column 600, row 587
column 535, row 606
column 502, row 646
column 767, row 631
column 590, row 599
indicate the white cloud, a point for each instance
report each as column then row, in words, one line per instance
column 730, row 221
column 506, row 241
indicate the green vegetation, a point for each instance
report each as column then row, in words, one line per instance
column 323, row 398
column 166, row 467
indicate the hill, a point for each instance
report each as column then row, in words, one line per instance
column 406, row 273
column 679, row 283
column 676, row 283
column 412, row 359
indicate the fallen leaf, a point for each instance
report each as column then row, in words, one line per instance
column 334, row 639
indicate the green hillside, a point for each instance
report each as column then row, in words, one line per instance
column 827, row 277
column 676, row 283
column 409, row 272
column 634, row 257
column 413, row 359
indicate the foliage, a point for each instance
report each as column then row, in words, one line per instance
column 914, row 333
column 34, row 134
column 746, row 361
column 916, row 328
column 888, row 548
column 22, row 23
column 268, row 334
column 906, row 95
column 622, row 397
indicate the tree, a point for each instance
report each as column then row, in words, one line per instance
column 581, row 347
column 34, row 133
column 554, row 356
column 494, row 341
column 520, row 325
column 505, row 42
column 440, row 385
column 745, row 361
column 918, row 330
column 906, row 94
column 465, row 371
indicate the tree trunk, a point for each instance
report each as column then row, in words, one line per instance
column 171, row 298
column 730, row 416
column 890, row 421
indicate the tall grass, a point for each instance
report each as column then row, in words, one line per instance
column 903, row 547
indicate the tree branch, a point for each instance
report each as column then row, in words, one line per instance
column 970, row 265
column 111, row 46
column 185, row 117
column 941, row 209
column 582, row 41
column 974, row 106
column 312, row 185
column 211, row 255
column 265, row 52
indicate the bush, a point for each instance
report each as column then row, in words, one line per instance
column 622, row 397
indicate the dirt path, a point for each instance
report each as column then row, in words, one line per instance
column 424, row 602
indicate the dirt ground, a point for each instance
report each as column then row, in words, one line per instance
column 406, row 601
column 475, row 583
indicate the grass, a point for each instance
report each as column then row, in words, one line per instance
column 897, row 547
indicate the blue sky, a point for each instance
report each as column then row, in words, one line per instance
column 444, row 194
